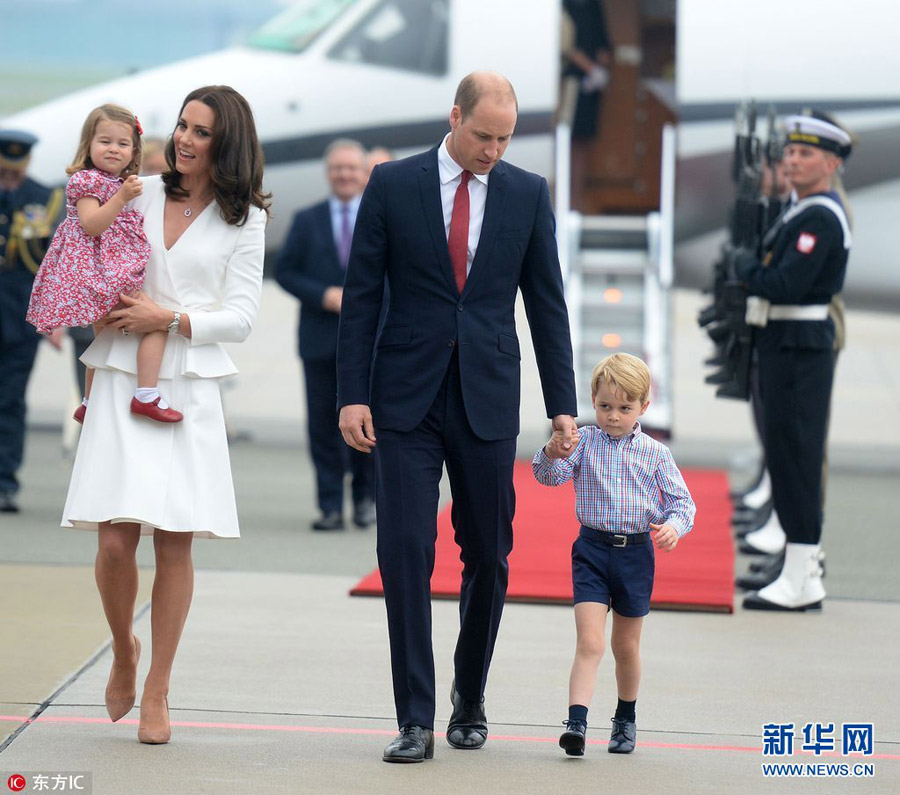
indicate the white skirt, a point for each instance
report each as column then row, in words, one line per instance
column 171, row 476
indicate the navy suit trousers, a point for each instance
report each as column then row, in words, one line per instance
column 331, row 456
column 408, row 473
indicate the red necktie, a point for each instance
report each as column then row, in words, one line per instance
column 458, row 240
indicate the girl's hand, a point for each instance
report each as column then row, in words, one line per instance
column 138, row 315
column 131, row 188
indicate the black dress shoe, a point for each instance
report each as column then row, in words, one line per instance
column 8, row 502
column 364, row 513
column 751, row 515
column 329, row 521
column 413, row 744
column 756, row 581
column 756, row 522
column 572, row 739
column 624, row 734
column 760, row 576
column 753, row 601
column 775, row 561
column 746, row 549
column 468, row 724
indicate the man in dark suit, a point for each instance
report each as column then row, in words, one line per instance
column 457, row 233
column 311, row 266
column 27, row 213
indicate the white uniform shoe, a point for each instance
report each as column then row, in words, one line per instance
column 759, row 496
column 798, row 587
column 769, row 539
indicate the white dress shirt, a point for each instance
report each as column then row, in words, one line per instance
column 450, row 173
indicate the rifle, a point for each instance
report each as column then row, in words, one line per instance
column 750, row 216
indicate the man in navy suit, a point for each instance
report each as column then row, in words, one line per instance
column 457, row 233
column 311, row 266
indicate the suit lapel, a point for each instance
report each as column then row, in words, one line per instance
column 490, row 225
column 430, row 190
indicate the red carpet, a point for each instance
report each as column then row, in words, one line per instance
column 697, row 575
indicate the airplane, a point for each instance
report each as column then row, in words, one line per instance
column 384, row 73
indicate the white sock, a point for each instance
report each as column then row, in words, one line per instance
column 84, row 401
column 149, row 394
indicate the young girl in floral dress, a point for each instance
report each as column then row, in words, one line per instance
column 100, row 250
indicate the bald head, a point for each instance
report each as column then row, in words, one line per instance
column 484, row 84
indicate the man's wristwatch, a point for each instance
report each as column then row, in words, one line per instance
column 175, row 324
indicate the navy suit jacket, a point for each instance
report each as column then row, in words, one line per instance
column 306, row 266
column 400, row 233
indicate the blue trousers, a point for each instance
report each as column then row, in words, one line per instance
column 330, row 454
column 16, row 361
column 408, row 473
column 796, row 394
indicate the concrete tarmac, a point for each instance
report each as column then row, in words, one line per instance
column 282, row 681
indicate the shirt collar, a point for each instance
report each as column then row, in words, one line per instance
column 635, row 432
column 449, row 169
column 335, row 204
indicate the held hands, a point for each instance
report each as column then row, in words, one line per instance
column 565, row 437
column 664, row 536
column 556, row 447
column 357, row 428
column 131, row 188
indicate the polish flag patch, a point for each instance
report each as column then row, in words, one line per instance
column 806, row 243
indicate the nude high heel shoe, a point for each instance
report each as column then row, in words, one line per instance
column 116, row 705
column 155, row 730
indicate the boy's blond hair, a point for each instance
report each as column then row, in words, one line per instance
column 625, row 373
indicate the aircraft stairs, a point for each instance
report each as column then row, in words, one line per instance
column 617, row 302
column 617, row 271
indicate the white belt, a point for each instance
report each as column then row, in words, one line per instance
column 760, row 311
column 806, row 312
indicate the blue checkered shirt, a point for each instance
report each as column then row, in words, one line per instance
column 621, row 484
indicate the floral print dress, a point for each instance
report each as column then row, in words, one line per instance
column 81, row 277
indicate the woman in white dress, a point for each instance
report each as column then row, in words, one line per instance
column 205, row 218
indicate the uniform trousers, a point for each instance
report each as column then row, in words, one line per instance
column 408, row 473
column 796, row 393
column 16, row 362
column 330, row 454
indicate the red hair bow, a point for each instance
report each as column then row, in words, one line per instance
column 137, row 124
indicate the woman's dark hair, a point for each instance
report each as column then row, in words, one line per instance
column 236, row 158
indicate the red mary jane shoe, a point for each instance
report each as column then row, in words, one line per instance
column 78, row 416
column 154, row 412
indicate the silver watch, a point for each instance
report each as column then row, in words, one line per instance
column 175, row 324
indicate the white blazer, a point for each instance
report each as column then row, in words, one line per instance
column 213, row 272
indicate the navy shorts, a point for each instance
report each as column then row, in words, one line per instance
column 620, row 577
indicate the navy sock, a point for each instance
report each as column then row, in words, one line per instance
column 625, row 710
column 578, row 712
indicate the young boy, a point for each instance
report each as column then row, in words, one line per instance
column 628, row 488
